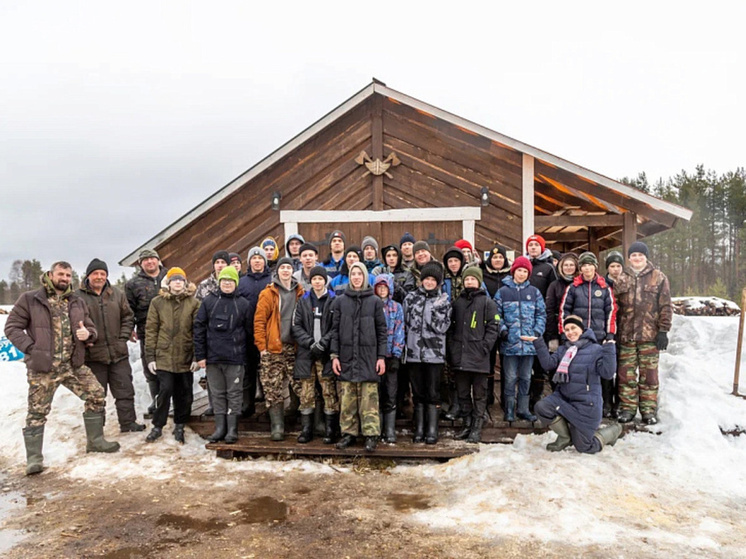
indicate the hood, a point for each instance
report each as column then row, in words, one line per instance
column 545, row 256
column 293, row 283
column 452, row 252
column 567, row 256
column 274, row 241
column 388, row 248
column 46, row 281
column 354, row 248
column 293, row 237
column 385, row 278
column 585, row 338
column 366, row 279
column 190, row 290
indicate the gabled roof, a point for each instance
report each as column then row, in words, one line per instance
column 377, row 87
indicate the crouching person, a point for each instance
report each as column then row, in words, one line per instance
column 51, row 326
column 169, row 350
column 223, row 327
column 473, row 333
column 312, row 330
column 358, row 351
column 575, row 408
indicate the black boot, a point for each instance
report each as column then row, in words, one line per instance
column 179, row 432
column 476, row 430
column 294, row 406
column 370, row 443
column 220, row 429
column 431, row 428
column 419, row 423
column 625, row 416
column 464, row 433
column 345, row 441
column 154, row 435
column 318, row 419
column 455, row 408
column 231, row 437
column 389, row 426
column 277, row 421
column 331, row 428
column 306, row 431
column 248, row 407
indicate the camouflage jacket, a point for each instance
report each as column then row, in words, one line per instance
column 207, row 286
column 427, row 317
column 169, row 339
column 140, row 291
column 644, row 304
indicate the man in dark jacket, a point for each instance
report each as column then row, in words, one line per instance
column 140, row 291
column 335, row 260
column 51, row 325
column 108, row 357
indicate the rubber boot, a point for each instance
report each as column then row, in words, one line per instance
column 510, row 409
column 465, row 430
column 277, row 421
column 345, row 441
column 419, row 423
column 34, row 439
column 476, row 431
column 179, row 432
column 523, row 412
column 220, row 429
column 455, row 408
column 563, row 440
column 306, row 430
column 94, row 430
column 371, row 443
column 232, row 424
column 389, row 426
column 608, row 435
column 318, row 419
column 248, row 407
column 331, row 428
column 292, row 409
column 431, row 424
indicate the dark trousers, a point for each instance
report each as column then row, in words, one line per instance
column 388, row 387
column 252, row 370
column 179, row 387
column 583, row 441
column 425, row 379
column 538, row 379
column 472, row 393
column 403, row 382
column 150, row 378
column 118, row 377
column 226, row 383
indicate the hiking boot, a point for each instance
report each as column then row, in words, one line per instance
column 133, row 427
column 94, row 431
column 475, row 436
column 431, row 424
column 306, row 431
column 33, row 437
column 370, row 443
column 466, row 429
column 563, row 440
column 277, row 421
column 221, row 428
column 345, row 441
column 179, row 432
column 331, row 428
column 231, row 435
column 608, row 435
column 419, row 423
column 626, row 416
column 154, row 435
column 650, row 418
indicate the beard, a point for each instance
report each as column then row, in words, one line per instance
column 61, row 285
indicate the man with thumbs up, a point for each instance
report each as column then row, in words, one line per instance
column 52, row 326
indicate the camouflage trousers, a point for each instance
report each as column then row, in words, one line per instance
column 634, row 392
column 359, row 408
column 276, row 374
column 306, row 390
column 42, row 386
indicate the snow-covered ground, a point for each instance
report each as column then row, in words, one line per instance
column 682, row 486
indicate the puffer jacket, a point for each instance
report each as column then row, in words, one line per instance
column 427, row 317
column 169, row 332
column 493, row 279
column 394, row 318
column 593, row 301
column 140, row 291
column 555, row 293
column 29, row 327
column 400, row 274
column 543, row 272
column 580, row 401
column 473, row 332
column 644, row 304
column 251, row 285
column 358, row 334
column 222, row 329
column 267, row 327
column 114, row 320
column 303, row 323
column 452, row 283
column 522, row 313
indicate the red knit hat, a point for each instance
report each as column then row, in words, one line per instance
column 539, row 239
column 462, row 244
column 521, row 262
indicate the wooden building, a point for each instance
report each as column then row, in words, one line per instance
column 383, row 163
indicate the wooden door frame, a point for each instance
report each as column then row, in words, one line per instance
column 467, row 215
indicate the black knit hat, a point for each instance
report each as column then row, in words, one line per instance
column 285, row 260
column 234, row 256
column 221, row 255
column 307, row 246
column 406, row 238
column 318, row 271
column 337, row 234
column 432, row 270
column 96, row 264
column 614, row 256
column 638, row 246
column 421, row 245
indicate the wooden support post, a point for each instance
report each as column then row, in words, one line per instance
column 593, row 240
column 629, row 233
column 739, row 345
column 527, row 199
column 376, row 128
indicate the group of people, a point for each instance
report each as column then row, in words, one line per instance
column 348, row 338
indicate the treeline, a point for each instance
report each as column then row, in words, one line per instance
column 703, row 256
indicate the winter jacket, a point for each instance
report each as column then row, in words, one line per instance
column 427, row 317
column 522, row 313
column 493, row 279
column 31, row 328
column 339, row 283
column 333, row 266
column 251, row 285
column 372, row 265
column 223, row 327
column 207, row 286
column 267, row 327
column 358, row 334
column 555, row 293
column 296, row 261
column 473, row 332
column 394, row 318
column 303, row 325
column 114, row 320
column 140, row 291
column 543, row 272
column 644, row 304
column 412, row 280
column 400, row 274
column 593, row 301
column 452, row 283
column 580, row 401
column 169, row 332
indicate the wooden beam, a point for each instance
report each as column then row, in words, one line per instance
column 376, row 127
column 629, row 234
column 397, row 215
column 578, row 220
column 527, row 198
column 593, row 240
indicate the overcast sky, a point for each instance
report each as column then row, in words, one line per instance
column 118, row 118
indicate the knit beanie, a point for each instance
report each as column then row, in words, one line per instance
column 147, row 253
column 369, row 241
column 556, row 255
column 473, row 271
column 462, row 244
column 498, row 249
column 307, row 246
column 432, row 270
column 421, row 245
column 337, row 234
column 521, row 262
column 285, row 260
column 175, row 273
column 614, row 256
column 256, row 251
column 539, row 239
column 406, row 238
column 638, row 246
column 229, row 273
column 453, row 252
column 233, row 257
column 588, row 258
column 318, row 271
column 96, row 264
column 221, row 255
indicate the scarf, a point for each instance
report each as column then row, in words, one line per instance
column 562, row 376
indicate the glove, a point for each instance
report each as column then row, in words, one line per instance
column 553, row 345
column 661, row 341
column 195, row 367
column 203, row 383
column 504, row 335
column 152, row 367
